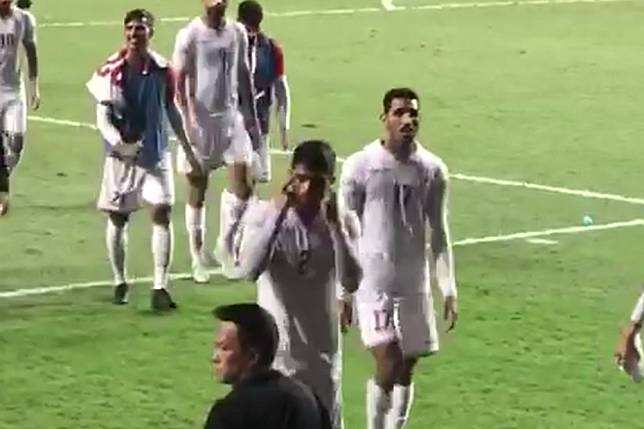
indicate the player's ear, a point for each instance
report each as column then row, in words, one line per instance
column 151, row 32
column 382, row 117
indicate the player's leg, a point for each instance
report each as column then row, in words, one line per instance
column 262, row 164
column 116, row 243
column 118, row 202
column 416, row 326
column 375, row 313
column 4, row 182
column 234, row 199
column 158, row 192
column 197, row 186
column 14, row 125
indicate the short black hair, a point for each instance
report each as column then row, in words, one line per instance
column 256, row 327
column 393, row 93
column 24, row 4
column 250, row 13
column 142, row 15
column 316, row 155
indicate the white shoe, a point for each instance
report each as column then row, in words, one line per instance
column 200, row 273
column 4, row 203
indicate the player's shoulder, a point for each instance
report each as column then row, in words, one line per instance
column 159, row 60
column 431, row 162
column 363, row 157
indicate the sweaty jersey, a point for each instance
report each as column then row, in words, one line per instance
column 395, row 203
column 211, row 58
column 16, row 29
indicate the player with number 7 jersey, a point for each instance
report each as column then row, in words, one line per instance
column 397, row 190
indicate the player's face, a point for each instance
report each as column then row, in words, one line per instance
column 5, row 6
column 402, row 121
column 308, row 188
column 230, row 362
column 137, row 36
column 215, row 9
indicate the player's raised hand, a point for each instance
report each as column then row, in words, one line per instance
column 331, row 209
column 450, row 312
column 345, row 310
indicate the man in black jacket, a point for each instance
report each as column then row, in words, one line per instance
column 244, row 349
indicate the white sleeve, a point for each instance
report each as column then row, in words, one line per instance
column 441, row 257
column 183, row 55
column 104, row 125
column 638, row 311
column 352, row 190
column 256, row 237
column 29, row 32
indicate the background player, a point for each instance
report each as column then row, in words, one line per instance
column 396, row 188
column 267, row 63
column 135, row 94
column 629, row 346
column 216, row 97
column 17, row 27
column 297, row 247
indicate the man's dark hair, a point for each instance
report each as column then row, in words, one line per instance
column 316, row 155
column 406, row 93
column 24, row 4
column 250, row 13
column 141, row 15
column 256, row 327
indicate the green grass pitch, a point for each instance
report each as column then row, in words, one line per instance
column 546, row 94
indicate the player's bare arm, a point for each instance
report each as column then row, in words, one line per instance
column 441, row 253
column 246, row 87
column 31, row 52
column 178, row 125
column 283, row 106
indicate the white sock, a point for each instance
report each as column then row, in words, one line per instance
column 196, row 227
column 162, row 254
column 401, row 400
column 378, row 405
column 265, row 157
column 116, row 241
column 232, row 209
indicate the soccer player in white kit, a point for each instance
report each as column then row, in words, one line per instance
column 17, row 27
column 135, row 95
column 216, row 98
column 296, row 247
column 629, row 345
column 396, row 189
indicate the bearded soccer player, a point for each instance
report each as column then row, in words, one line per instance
column 296, row 247
column 396, row 189
column 271, row 86
column 216, row 97
column 135, row 96
column 17, row 28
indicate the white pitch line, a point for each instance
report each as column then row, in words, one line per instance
column 555, row 189
column 544, row 241
column 466, row 242
column 387, row 6
column 549, row 232
column 465, row 177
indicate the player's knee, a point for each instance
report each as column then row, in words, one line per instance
column 197, row 188
column 389, row 361
column 240, row 181
column 119, row 220
column 161, row 215
column 406, row 373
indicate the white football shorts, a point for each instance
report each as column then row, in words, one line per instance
column 218, row 140
column 13, row 111
column 126, row 187
column 409, row 320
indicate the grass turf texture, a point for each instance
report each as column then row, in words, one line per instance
column 536, row 93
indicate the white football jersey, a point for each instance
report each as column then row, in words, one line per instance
column 395, row 203
column 16, row 29
column 211, row 58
